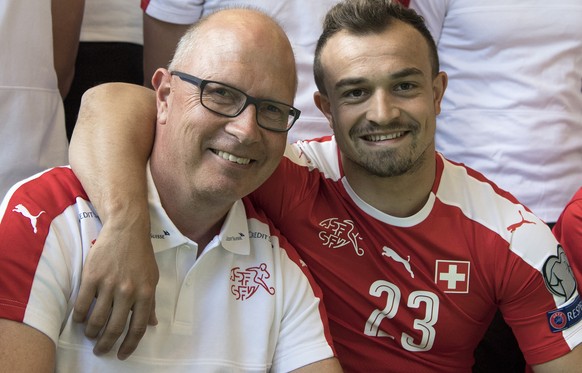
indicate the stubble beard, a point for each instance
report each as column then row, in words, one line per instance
column 390, row 162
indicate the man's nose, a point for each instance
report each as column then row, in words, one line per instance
column 245, row 126
column 382, row 109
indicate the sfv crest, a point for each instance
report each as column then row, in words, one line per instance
column 340, row 233
column 246, row 282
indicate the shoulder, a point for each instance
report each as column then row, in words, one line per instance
column 483, row 202
column 31, row 205
column 319, row 154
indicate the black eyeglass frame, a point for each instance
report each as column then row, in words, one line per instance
column 201, row 83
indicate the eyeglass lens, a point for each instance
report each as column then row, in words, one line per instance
column 229, row 101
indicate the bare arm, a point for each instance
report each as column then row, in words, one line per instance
column 330, row 365
column 25, row 349
column 118, row 120
column 159, row 42
column 67, row 17
column 570, row 362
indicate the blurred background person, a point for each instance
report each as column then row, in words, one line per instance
column 33, row 68
column 514, row 105
column 110, row 50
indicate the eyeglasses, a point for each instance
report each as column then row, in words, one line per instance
column 228, row 101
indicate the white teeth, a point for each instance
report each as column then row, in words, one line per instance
column 232, row 158
column 384, row 137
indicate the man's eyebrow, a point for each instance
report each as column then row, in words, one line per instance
column 406, row 72
column 349, row 81
column 397, row 75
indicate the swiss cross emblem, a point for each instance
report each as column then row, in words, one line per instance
column 246, row 282
column 452, row 276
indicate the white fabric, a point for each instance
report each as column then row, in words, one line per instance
column 513, row 107
column 301, row 20
column 32, row 131
column 112, row 21
column 245, row 304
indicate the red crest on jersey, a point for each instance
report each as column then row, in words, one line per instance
column 245, row 282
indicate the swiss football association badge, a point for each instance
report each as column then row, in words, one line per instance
column 452, row 276
column 246, row 282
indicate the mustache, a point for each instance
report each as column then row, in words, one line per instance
column 367, row 128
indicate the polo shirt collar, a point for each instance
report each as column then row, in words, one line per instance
column 233, row 236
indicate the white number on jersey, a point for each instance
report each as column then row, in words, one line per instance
column 415, row 299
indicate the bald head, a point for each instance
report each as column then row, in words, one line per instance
column 245, row 35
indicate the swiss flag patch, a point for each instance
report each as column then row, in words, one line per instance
column 452, row 276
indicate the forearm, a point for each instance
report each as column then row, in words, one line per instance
column 330, row 365
column 160, row 39
column 108, row 153
column 570, row 362
column 67, row 17
column 110, row 146
column 25, row 349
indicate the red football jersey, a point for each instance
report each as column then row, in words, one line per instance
column 417, row 293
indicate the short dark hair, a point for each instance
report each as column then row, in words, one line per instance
column 361, row 17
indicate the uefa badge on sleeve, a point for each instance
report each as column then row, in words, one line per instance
column 560, row 281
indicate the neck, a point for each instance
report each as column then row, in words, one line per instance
column 400, row 196
column 200, row 228
column 198, row 216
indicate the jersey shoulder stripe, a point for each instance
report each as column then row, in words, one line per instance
column 27, row 213
column 483, row 202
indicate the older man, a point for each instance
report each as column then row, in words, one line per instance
column 233, row 295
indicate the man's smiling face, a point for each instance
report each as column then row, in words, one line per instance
column 382, row 99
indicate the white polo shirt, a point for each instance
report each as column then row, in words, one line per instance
column 246, row 304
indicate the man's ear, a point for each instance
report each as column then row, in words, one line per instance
column 161, row 81
column 323, row 104
column 439, row 85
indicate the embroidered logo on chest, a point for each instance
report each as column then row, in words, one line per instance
column 339, row 233
column 246, row 282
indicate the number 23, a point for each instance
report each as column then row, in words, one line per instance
column 414, row 301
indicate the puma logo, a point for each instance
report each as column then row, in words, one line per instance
column 397, row 258
column 24, row 211
column 513, row 227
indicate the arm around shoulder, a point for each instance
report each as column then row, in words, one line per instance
column 108, row 153
column 111, row 144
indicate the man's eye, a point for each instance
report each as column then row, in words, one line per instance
column 220, row 92
column 220, row 95
column 275, row 109
column 355, row 93
column 406, row 86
